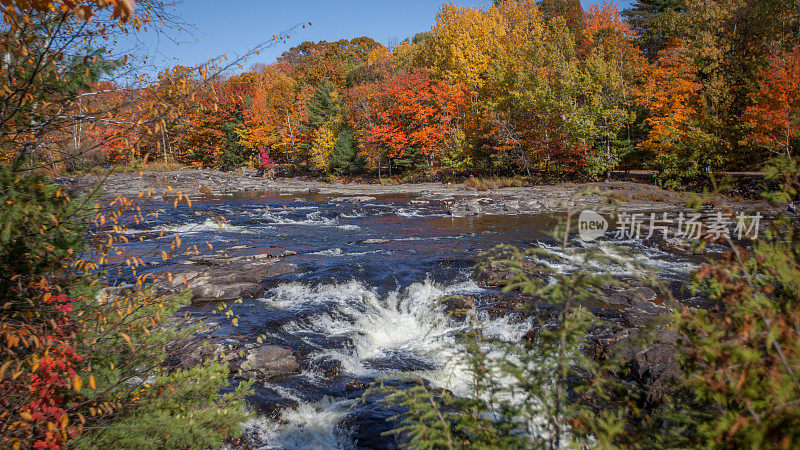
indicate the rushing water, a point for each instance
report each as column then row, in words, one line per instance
column 365, row 298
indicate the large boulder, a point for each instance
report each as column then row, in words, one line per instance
column 631, row 296
column 217, row 278
column 496, row 273
column 640, row 311
column 268, row 362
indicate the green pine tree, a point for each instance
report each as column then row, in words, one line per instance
column 345, row 160
column 654, row 22
column 233, row 154
column 412, row 159
column 322, row 108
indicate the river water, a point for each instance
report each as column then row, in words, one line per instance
column 365, row 300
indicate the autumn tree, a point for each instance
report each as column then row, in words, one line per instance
column 775, row 116
column 361, row 105
column 105, row 132
column 75, row 362
column 669, row 91
column 730, row 44
column 461, row 42
column 271, row 118
column 174, row 99
column 509, row 122
column 608, row 71
column 415, row 116
column 570, row 10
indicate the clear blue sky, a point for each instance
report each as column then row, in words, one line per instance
column 233, row 26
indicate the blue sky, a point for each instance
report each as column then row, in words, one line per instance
column 232, row 26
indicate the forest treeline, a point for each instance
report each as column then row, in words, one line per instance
column 518, row 87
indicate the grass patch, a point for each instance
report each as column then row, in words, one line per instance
column 129, row 168
column 485, row 184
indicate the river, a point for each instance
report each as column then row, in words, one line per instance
column 364, row 300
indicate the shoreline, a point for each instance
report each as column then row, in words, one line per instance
column 459, row 200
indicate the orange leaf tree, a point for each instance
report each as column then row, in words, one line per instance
column 270, row 119
column 776, row 115
column 417, row 113
column 669, row 91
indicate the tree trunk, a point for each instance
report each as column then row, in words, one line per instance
column 525, row 160
column 164, row 145
column 291, row 134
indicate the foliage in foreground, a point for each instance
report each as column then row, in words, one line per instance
column 87, row 366
column 84, row 363
column 742, row 357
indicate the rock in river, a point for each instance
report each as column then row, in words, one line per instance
column 216, row 278
column 267, row 362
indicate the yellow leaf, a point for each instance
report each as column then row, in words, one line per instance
column 26, row 416
column 92, row 383
column 235, row 321
column 3, row 369
column 126, row 338
column 77, row 383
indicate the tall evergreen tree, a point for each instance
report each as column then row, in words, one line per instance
column 322, row 107
column 654, row 22
column 321, row 125
column 344, row 158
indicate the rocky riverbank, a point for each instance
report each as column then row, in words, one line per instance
column 460, row 200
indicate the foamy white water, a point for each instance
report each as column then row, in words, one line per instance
column 408, row 325
column 314, row 218
column 637, row 259
column 308, row 426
